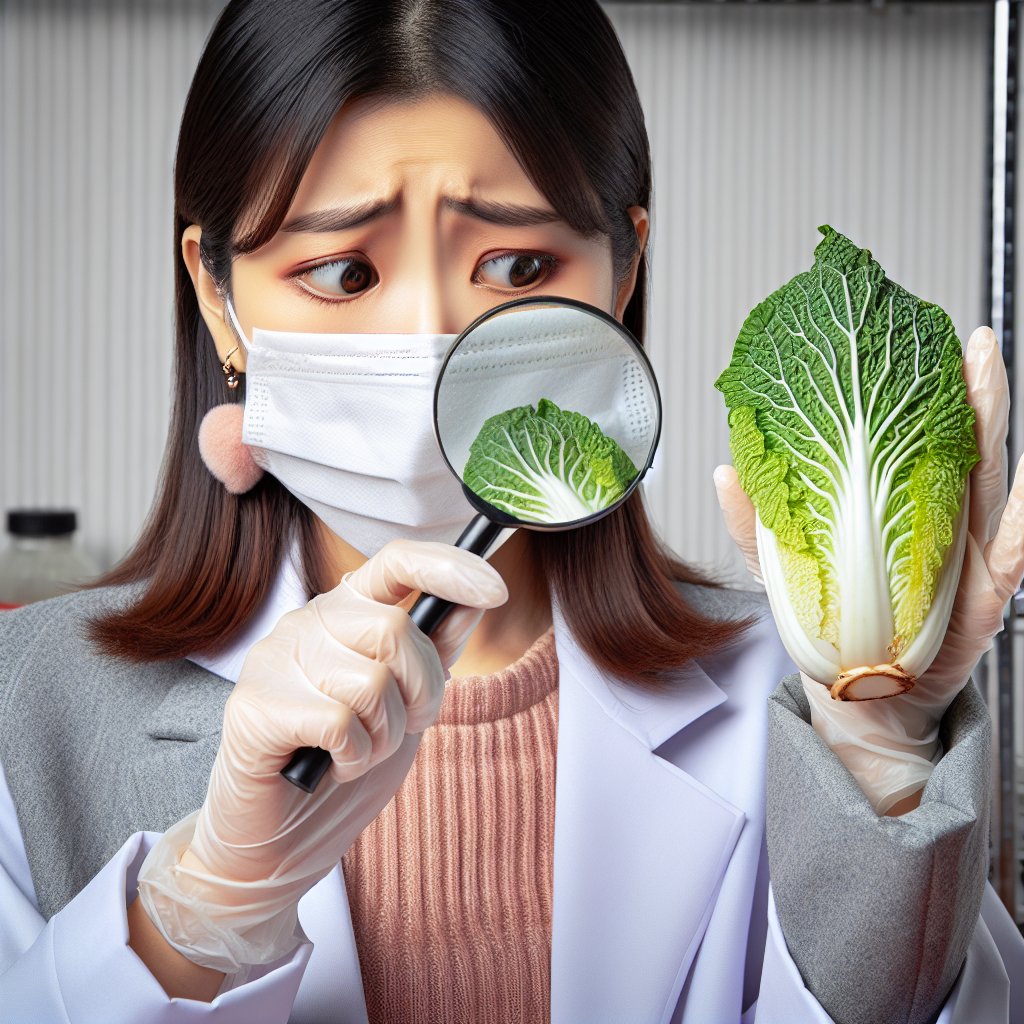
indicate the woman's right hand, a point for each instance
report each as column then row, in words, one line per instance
column 351, row 673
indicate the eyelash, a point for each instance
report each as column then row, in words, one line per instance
column 552, row 263
column 320, row 298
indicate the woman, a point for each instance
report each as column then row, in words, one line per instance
column 360, row 167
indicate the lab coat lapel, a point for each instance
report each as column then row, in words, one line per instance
column 640, row 846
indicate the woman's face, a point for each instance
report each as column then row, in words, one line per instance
column 411, row 217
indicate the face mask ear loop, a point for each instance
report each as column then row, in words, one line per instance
column 232, row 318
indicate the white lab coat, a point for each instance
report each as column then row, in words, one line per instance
column 658, row 859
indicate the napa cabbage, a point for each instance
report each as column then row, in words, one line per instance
column 546, row 464
column 851, row 433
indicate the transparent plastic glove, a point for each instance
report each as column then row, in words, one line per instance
column 348, row 672
column 889, row 745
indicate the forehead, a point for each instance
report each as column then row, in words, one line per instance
column 435, row 144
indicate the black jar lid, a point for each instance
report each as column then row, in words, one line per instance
column 41, row 522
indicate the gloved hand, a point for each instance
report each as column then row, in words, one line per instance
column 890, row 745
column 348, row 672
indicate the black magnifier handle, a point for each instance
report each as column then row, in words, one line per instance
column 308, row 764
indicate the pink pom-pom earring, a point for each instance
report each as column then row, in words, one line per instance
column 221, row 446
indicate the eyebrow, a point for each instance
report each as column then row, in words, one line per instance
column 341, row 218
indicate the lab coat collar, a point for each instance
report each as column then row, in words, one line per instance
column 651, row 717
column 640, row 846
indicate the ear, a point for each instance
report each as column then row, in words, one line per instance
column 211, row 302
column 641, row 224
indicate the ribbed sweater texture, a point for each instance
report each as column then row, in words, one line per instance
column 450, row 885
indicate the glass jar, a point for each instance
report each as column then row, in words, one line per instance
column 41, row 558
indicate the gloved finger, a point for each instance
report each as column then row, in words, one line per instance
column 1005, row 554
column 363, row 633
column 371, row 690
column 977, row 608
column 384, row 631
column 402, row 566
column 338, row 729
column 739, row 514
column 278, row 710
column 988, row 392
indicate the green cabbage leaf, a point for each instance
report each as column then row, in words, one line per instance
column 546, row 464
column 851, row 433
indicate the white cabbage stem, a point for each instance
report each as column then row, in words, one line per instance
column 869, row 680
column 865, row 609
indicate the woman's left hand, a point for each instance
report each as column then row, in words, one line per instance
column 992, row 571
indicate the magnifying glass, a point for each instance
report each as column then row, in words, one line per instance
column 548, row 411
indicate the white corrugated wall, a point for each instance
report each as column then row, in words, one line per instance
column 765, row 122
column 89, row 107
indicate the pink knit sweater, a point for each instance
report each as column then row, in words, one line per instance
column 450, row 885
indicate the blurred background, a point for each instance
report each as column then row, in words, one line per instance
column 766, row 120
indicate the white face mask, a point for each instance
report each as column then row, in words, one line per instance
column 345, row 423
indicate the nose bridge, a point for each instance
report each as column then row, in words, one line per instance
column 427, row 302
column 424, row 293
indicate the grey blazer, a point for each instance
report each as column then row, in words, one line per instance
column 877, row 912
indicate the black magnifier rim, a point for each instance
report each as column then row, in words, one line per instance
column 496, row 515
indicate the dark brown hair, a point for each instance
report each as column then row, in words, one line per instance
column 554, row 82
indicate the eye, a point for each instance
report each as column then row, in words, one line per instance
column 517, row 269
column 348, row 276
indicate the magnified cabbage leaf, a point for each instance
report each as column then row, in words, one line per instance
column 851, row 432
column 546, row 465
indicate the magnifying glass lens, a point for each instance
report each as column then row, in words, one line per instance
column 547, row 411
